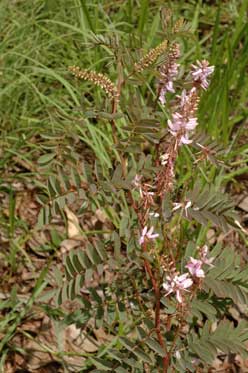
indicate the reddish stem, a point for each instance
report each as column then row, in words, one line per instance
column 156, row 289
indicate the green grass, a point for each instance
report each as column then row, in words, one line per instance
column 41, row 104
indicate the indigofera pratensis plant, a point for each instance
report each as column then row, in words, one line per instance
column 152, row 281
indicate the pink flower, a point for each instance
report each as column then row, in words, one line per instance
column 177, row 284
column 191, row 124
column 147, row 235
column 168, row 87
column 194, row 267
column 185, row 206
column 179, row 123
column 201, row 71
column 185, row 139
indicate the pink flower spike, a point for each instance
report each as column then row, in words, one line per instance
column 194, row 267
column 184, row 121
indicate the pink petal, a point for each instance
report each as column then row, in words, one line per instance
column 155, row 235
column 144, row 231
column 185, row 140
column 200, row 273
column 187, row 283
column 182, row 277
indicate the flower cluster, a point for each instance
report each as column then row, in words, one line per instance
column 184, row 121
column 168, row 72
column 195, row 267
column 200, row 73
column 178, row 284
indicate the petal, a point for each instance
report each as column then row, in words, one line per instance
column 200, row 273
column 188, row 204
column 182, row 277
column 193, row 260
column 179, row 297
column 187, row 283
column 204, row 250
column 162, row 98
column 191, row 124
column 174, row 125
column 176, row 206
column 144, row 231
column 169, row 87
column 167, row 287
column 185, row 140
column 155, row 235
column 149, row 233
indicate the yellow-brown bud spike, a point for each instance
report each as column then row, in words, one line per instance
column 151, row 57
column 179, row 26
column 98, row 79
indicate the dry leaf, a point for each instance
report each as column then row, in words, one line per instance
column 73, row 227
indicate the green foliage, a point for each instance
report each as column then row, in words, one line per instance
column 212, row 339
column 62, row 190
column 210, row 204
column 228, row 279
column 225, row 337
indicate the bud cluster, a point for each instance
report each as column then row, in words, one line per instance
column 98, row 79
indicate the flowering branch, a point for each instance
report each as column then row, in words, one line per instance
column 182, row 123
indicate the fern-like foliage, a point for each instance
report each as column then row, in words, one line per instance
column 228, row 279
column 64, row 189
column 202, row 348
column 225, row 338
column 210, row 204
